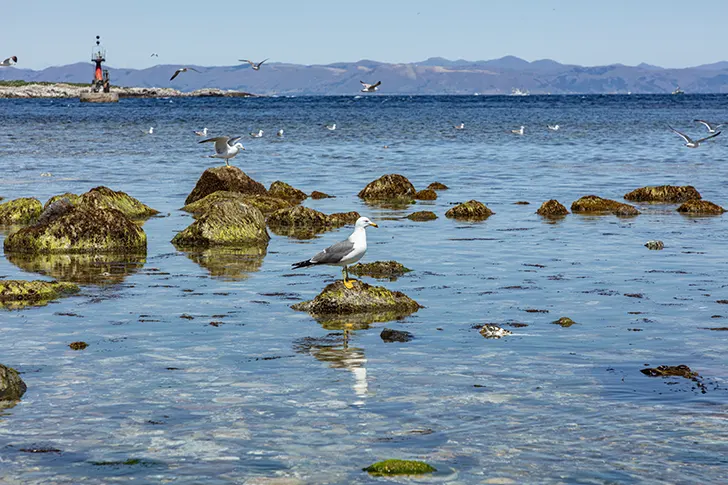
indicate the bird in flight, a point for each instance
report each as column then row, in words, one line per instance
column 154, row 54
column 712, row 127
column 9, row 61
column 689, row 142
column 369, row 88
column 182, row 69
column 225, row 147
column 256, row 67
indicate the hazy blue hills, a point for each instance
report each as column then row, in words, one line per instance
column 432, row 76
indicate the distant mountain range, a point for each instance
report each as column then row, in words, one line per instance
column 433, row 76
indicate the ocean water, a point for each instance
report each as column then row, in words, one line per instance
column 267, row 393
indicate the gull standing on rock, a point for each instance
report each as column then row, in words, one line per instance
column 369, row 88
column 343, row 253
column 331, row 127
column 280, row 132
column 712, row 127
column 461, row 126
column 256, row 67
column 201, row 133
column 554, row 127
column 150, row 131
column 689, row 142
column 182, row 69
column 9, row 61
column 520, row 131
column 225, row 147
column 257, row 134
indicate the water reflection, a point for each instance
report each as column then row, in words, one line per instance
column 96, row 269
column 233, row 263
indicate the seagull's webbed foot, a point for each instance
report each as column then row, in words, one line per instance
column 349, row 283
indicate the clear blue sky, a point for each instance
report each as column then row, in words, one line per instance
column 668, row 33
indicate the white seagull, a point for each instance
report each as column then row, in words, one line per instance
column 256, row 67
column 520, row 131
column 256, row 135
column 343, row 253
column 369, row 88
column 331, row 127
column 225, row 147
column 712, row 128
column 554, row 127
column 182, row 69
column 154, row 54
column 280, row 132
column 201, row 133
column 689, row 142
column 461, row 126
column 150, row 131
column 9, row 61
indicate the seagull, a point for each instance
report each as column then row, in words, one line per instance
column 256, row 67
column 331, row 127
column 689, row 142
column 150, row 131
column 201, row 133
column 519, row 132
column 225, row 147
column 182, row 69
column 554, row 127
column 9, row 61
column 154, row 54
column 712, row 128
column 257, row 135
column 280, row 132
column 343, row 253
column 461, row 126
column 369, row 88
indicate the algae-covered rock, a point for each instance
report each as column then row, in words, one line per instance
column 552, row 208
column 20, row 212
column 300, row 222
column 226, row 223
column 227, row 178
column 592, row 204
column 267, row 205
column 71, row 197
column 388, row 187
column 78, row 345
column 390, row 335
column 12, row 386
column 664, row 193
column 263, row 203
column 437, row 186
column 87, row 268
column 229, row 263
column 471, row 210
column 426, row 194
column 282, row 190
column 655, row 245
column 700, row 207
column 320, row 195
column 15, row 294
column 105, row 198
column 564, row 322
column 493, row 331
column 339, row 219
column 81, row 230
column 422, row 216
column 380, row 269
column 399, row 467
column 670, row 371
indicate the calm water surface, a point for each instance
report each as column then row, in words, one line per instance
column 268, row 392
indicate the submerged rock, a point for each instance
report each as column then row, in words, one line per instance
column 96, row 269
column 389, row 335
column 389, row 188
column 564, row 322
column 593, row 204
column 105, row 198
column 265, row 204
column 422, row 216
column 320, row 195
column 471, row 210
column 702, row 207
column 493, row 331
column 670, row 371
column 399, row 467
column 380, row 269
column 437, row 186
column 427, row 194
column 664, row 193
column 282, row 190
column 12, row 386
column 227, row 178
column 552, row 208
column 226, row 223
column 655, row 245
column 70, row 196
column 78, row 345
column 20, row 212
column 228, row 263
column 16, row 294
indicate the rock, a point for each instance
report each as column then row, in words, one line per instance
column 54, row 210
column 471, row 210
column 399, row 467
column 227, row 178
column 81, row 230
column 437, row 186
column 282, row 190
column 300, row 222
column 522, row 202
column 654, row 245
column 592, row 204
column 670, row 371
column 389, row 335
column 389, row 188
column 564, row 322
column 427, row 194
column 552, row 208
column 95, row 269
column 320, row 195
column 20, row 212
column 16, row 294
column 265, row 204
column 490, row 330
column 702, row 207
column 379, row 269
column 422, row 216
column 72, row 198
column 664, row 193
column 338, row 219
column 78, row 345
column 12, row 386
column 105, row 198
column 226, row 223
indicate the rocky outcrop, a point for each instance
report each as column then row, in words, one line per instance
column 228, row 178
column 564, row 322
column 664, row 193
column 701, row 207
column 389, row 335
column 426, row 194
column 670, row 371
column 226, row 223
column 12, row 386
column 552, row 208
column 320, row 195
column 63, row 90
column 282, row 190
column 304, row 222
column 399, row 467
column 20, row 212
column 266, row 205
column 80, row 345
column 471, row 210
column 105, row 198
column 71, row 197
column 389, row 188
column 592, row 204
column 16, row 294
column 390, row 270
column 437, row 186
column 422, row 216
column 338, row 219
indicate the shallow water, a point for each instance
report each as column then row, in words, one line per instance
column 269, row 392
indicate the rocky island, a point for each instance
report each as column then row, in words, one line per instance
column 21, row 89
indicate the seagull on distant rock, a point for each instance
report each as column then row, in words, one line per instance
column 331, row 127
column 343, row 253
column 182, row 69
column 257, row 134
column 521, row 131
column 201, row 133
column 369, row 88
column 712, row 127
column 9, row 61
column 256, row 67
column 280, row 132
column 225, row 147
column 150, row 131
column 689, row 142
column 554, row 127
column 461, row 126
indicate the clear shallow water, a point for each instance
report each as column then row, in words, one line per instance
column 270, row 392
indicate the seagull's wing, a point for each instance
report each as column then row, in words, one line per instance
column 261, row 62
column 376, row 84
column 366, row 86
column 334, row 254
column 176, row 73
column 6, row 62
column 233, row 140
column 703, row 122
column 684, row 137
column 193, row 69
column 246, row 60
column 220, row 143
column 708, row 137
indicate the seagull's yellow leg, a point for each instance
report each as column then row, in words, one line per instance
column 347, row 282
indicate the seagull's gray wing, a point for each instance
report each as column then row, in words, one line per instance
column 366, row 86
column 246, row 60
column 376, row 84
column 176, row 73
column 232, row 140
column 261, row 62
column 334, row 254
column 193, row 69
column 707, row 125
column 220, row 144
column 684, row 137
column 708, row 137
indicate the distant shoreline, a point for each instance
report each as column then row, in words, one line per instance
column 32, row 90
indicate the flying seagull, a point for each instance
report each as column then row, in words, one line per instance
column 256, row 67
column 9, row 61
column 369, row 88
column 712, row 127
column 182, row 69
column 343, row 253
column 154, row 54
column 257, row 134
column 689, row 142
column 554, row 127
column 201, row 133
column 461, row 126
column 225, row 147
column 331, row 127
column 520, row 131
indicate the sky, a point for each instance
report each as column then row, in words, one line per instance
column 45, row 33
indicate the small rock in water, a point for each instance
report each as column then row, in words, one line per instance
column 12, row 386
column 22, row 211
column 702, row 207
column 380, row 269
column 283, row 190
column 472, row 210
column 490, row 330
column 390, row 335
column 437, row 186
column 389, row 187
column 654, row 245
column 399, row 467
column 426, row 194
column 552, row 208
column 592, row 204
column 664, row 193
column 320, row 195
column 78, row 345
column 564, row 322
column 421, row 216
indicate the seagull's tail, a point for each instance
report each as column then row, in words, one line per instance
column 302, row 264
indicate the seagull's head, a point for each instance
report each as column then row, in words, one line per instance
column 239, row 146
column 363, row 222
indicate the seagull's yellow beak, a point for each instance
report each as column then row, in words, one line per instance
column 373, row 224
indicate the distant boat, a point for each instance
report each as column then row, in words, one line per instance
column 518, row 92
column 678, row 91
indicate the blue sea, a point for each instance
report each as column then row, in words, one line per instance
column 198, row 371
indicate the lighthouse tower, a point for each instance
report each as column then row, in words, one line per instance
column 100, row 87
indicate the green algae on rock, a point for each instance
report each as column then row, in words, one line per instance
column 12, row 386
column 338, row 219
column 426, row 194
column 471, row 210
column 552, row 208
column 387, row 188
column 20, row 212
column 17, row 294
column 564, row 322
column 228, row 178
column 422, row 216
column 297, row 219
column 78, row 345
column 263, row 203
column 86, row 268
column 70, row 196
column 592, row 204
column 380, row 269
column 282, row 190
column 320, row 195
column 700, row 207
column 399, row 467
column 664, row 193
column 105, row 198
column 437, row 186
column 670, row 371
column 226, row 223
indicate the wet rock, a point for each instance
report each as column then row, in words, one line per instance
column 471, row 210
column 95, row 269
column 20, row 212
column 12, row 386
column 380, row 269
column 437, row 186
column 390, row 335
column 522, row 202
column 592, row 204
column 226, row 223
column 301, row 222
column 399, row 467
column 105, row 198
column 265, row 204
column 422, row 216
column 78, row 345
column 390, row 187
column 493, row 331
column 664, row 193
column 655, row 245
column 670, row 371
column 71, row 197
column 339, row 219
column 54, row 210
column 564, row 322
column 81, row 230
column 427, row 194
column 701, row 207
column 228, row 178
column 320, row 195
column 16, row 294
column 552, row 208
column 282, row 190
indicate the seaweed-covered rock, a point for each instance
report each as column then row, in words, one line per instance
column 227, row 178
column 380, row 269
column 320, row 195
column 81, row 230
column 20, row 293
column 338, row 219
column 701, row 207
column 23, row 211
column 226, row 223
column 655, row 245
column 471, row 210
column 437, row 186
column 70, row 196
column 78, row 345
column 389, row 335
column 593, row 204
column 105, row 198
column 267, row 205
column 552, row 208
column 664, row 193
column 422, row 216
column 493, row 331
column 298, row 218
column 399, row 467
column 387, row 188
column 282, row 190
column 670, row 371
column 12, row 386
column 564, row 322
column 426, row 194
